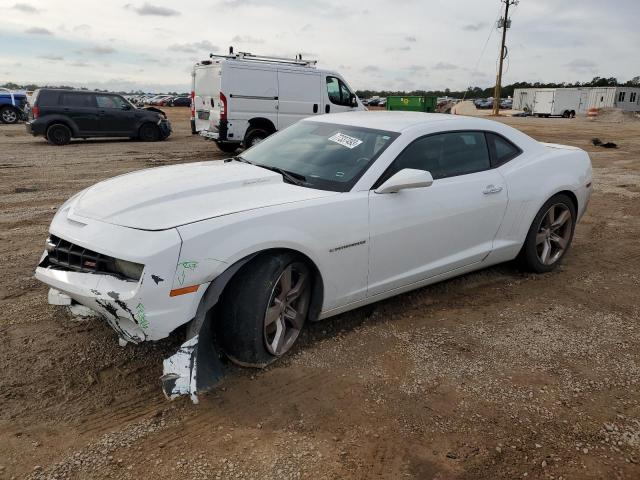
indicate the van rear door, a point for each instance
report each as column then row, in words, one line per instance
column 300, row 96
column 206, row 90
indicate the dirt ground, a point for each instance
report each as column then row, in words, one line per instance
column 497, row 374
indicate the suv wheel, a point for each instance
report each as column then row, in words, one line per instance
column 59, row 134
column 149, row 132
column 264, row 309
column 254, row 136
column 9, row 115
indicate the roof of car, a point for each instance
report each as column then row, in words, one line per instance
column 386, row 120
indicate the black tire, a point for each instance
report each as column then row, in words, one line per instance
column 58, row 134
column 254, row 136
column 9, row 115
column 248, row 334
column 149, row 132
column 530, row 257
column 227, row 147
column 566, row 114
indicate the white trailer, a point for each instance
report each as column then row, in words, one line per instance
column 559, row 102
column 251, row 97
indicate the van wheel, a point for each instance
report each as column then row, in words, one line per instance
column 227, row 147
column 149, row 132
column 59, row 134
column 264, row 308
column 254, row 136
column 9, row 115
column 566, row 114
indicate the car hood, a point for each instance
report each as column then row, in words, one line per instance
column 167, row 197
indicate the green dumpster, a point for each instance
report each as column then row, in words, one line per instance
column 412, row 103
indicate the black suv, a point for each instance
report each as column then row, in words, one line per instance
column 60, row 115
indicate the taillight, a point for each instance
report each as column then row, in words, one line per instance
column 223, row 106
column 193, row 104
column 36, row 111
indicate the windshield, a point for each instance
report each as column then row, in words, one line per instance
column 325, row 156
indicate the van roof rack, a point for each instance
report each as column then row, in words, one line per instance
column 266, row 58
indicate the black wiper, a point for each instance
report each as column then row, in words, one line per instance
column 238, row 158
column 291, row 177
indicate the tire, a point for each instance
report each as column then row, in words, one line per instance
column 227, row 147
column 58, row 134
column 254, row 136
column 9, row 115
column 566, row 114
column 255, row 327
column 546, row 244
column 149, row 132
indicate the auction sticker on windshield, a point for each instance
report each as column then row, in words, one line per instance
column 345, row 140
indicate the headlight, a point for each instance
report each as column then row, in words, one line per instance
column 128, row 269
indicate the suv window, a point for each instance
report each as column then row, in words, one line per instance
column 77, row 100
column 445, row 155
column 502, row 150
column 338, row 92
column 110, row 101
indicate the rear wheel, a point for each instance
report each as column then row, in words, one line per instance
column 254, row 136
column 550, row 235
column 264, row 309
column 149, row 132
column 9, row 115
column 58, row 134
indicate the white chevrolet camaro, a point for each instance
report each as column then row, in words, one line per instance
column 333, row 213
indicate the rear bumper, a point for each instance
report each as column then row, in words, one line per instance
column 210, row 135
column 165, row 128
column 35, row 128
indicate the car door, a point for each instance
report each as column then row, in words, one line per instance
column 299, row 96
column 117, row 117
column 419, row 233
column 337, row 96
column 81, row 108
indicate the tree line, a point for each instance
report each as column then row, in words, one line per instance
column 507, row 90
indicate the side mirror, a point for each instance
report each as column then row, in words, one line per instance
column 406, row 178
column 126, row 107
column 354, row 100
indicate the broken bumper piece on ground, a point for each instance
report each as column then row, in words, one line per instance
column 195, row 368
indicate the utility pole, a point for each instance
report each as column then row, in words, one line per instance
column 504, row 23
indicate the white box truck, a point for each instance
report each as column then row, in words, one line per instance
column 559, row 102
column 240, row 99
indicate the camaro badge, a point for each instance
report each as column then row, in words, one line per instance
column 342, row 247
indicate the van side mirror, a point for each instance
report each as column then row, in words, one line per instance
column 404, row 179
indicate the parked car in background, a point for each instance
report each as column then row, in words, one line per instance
column 60, row 115
column 253, row 248
column 506, row 104
column 181, row 101
column 484, row 103
column 13, row 106
column 249, row 97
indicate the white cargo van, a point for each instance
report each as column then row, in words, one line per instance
column 251, row 97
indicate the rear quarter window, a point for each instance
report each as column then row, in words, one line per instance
column 502, row 150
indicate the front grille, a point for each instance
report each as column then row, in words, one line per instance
column 64, row 255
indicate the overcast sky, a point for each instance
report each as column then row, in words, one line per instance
column 376, row 44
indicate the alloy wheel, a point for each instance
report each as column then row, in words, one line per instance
column 554, row 234
column 287, row 309
column 9, row 116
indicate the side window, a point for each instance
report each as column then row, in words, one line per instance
column 502, row 150
column 77, row 100
column 621, row 96
column 632, row 97
column 109, row 101
column 445, row 155
column 338, row 92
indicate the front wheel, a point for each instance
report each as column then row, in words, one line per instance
column 550, row 235
column 149, row 132
column 264, row 309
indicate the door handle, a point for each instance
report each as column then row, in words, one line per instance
column 327, row 108
column 315, row 108
column 492, row 189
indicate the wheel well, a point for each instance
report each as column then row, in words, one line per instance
column 263, row 123
column 317, row 288
column 572, row 196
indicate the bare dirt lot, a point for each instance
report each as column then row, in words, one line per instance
column 497, row 374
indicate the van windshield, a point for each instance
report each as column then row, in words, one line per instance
column 325, row 156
